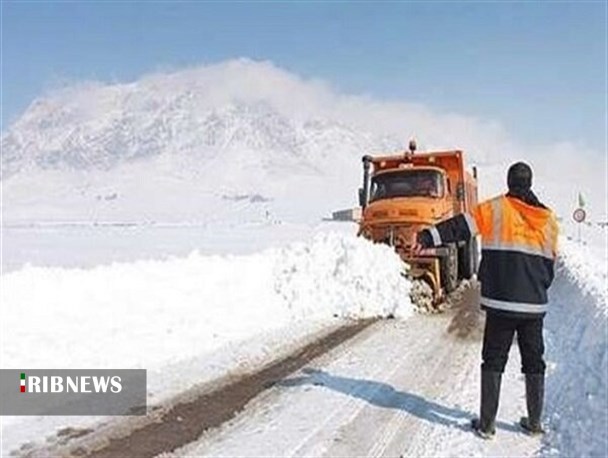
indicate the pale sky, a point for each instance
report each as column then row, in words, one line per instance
column 539, row 68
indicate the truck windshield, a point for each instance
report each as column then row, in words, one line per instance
column 407, row 183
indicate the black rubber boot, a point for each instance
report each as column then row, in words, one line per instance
column 485, row 425
column 535, row 392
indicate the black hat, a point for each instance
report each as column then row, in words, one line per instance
column 519, row 176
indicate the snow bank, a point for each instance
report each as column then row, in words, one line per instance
column 587, row 267
column 577, row 343
column 343, row 276
column 150, row 313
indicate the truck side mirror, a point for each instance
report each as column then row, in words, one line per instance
column 362, row 202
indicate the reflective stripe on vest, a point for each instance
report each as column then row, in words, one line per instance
column 521, row 307
column 436, row 237
column 520, row 248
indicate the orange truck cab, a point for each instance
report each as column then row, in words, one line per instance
column 405, row 193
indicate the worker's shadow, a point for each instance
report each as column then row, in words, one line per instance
column 384, row 395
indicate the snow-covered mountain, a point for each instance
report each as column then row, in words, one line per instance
column 122, row 124
column 224, row 130
column 175, row 145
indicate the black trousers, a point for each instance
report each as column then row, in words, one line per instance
column 498, row 337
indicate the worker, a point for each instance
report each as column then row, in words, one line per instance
column 519, row 242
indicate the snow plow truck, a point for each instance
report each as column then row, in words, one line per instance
column 405, row 193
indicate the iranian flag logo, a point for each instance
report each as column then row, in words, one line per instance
column 22, row 382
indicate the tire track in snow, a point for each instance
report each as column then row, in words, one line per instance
column 259, row 421
column 392, row 419
column 395, row 425
column 350, row 410
column 344, row 415
column 402, row 423
column 407, row 389
column 277, row 429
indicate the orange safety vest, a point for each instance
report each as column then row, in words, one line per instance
column 519, row 246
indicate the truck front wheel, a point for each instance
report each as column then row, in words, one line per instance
column 449, row 270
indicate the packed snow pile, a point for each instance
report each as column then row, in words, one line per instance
column 577, row 353
column 587, row 267
column 359, row 279
column 175, row 309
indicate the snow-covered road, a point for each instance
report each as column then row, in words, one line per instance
column 399, row 388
